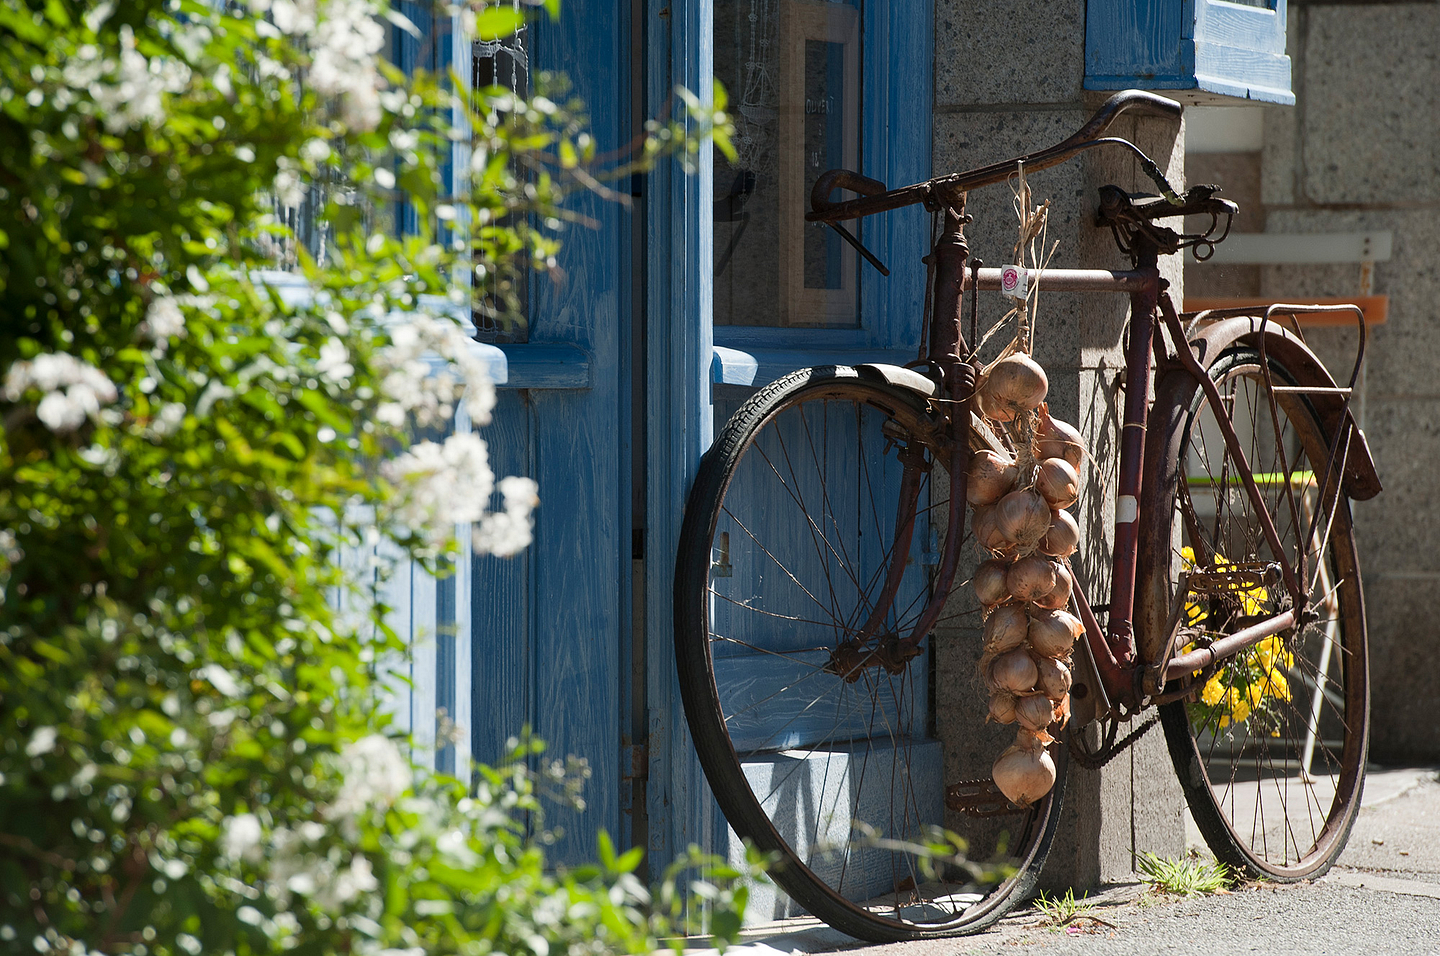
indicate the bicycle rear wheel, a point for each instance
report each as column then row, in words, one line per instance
column 812, row 753
column 1271, row 753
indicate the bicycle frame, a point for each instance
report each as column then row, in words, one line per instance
column 1128, row 681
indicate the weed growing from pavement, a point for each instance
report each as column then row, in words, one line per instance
column 1188, row 876
column 1060, row 911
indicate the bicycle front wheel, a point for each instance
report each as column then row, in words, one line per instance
column 818, row 742
column 1271, row 750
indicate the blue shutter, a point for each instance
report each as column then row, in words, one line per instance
column 1215, row 47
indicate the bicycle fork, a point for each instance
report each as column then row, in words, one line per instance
column 958, row 378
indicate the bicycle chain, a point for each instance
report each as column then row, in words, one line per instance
column 1109, row 750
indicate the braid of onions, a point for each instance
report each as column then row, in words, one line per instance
column 1024, row 586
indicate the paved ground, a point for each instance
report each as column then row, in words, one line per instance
column 1383, row 897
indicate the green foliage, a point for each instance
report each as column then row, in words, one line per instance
column 191, row 756
column 1187, row 876
column 1061, row 911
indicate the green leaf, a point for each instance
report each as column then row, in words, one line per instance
column 492, row 23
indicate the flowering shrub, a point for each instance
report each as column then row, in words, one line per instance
column 190, row 757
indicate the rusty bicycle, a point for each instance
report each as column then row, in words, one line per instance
column 811, row 593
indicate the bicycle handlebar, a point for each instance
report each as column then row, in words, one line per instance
column 875, row 198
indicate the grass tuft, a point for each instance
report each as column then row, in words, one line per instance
column 1064, row 910
column 1189, row 876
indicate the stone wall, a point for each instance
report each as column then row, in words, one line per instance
column 1360, row 150
column 1008, row 81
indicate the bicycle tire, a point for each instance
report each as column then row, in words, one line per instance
column 797, row 515
column 1240, row 746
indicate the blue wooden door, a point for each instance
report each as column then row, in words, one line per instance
column 701, row 365
column 611, row 399
column 551, row 629
column 541, row 641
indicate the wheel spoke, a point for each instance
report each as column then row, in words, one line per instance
column 1273, row 730
column 842, row 766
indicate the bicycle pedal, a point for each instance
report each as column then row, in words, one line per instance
column 979, row 798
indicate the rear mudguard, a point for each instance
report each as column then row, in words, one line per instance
column 1173, row 394
column 1361, row 482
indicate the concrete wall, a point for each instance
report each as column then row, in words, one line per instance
column 1360, row 150
column 1007, row 81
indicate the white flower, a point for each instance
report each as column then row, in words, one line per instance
column 441, row 486
column 42, row 741
column 74, row 390
column 133, row 95
column 347, row 884
column 240, row 837
column 507, row 532
column 412, row 386
column 163, row 319
column 294, row 16
column 375, row 775
column 289, row 186
column 334, row 362
column 455, row 845
column 168, row 419
column 345, row 43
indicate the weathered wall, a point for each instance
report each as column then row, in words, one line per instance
column 1360, row 150
column 1008, row 81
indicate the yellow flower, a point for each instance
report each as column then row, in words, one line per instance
column 1239, row 706
column 1265, row 652
column 1255, row 693
column 1276, row 685
column 1214, row 691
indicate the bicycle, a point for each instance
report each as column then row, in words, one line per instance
column 805, row 591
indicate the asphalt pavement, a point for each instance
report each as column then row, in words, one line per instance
column 1381, row 897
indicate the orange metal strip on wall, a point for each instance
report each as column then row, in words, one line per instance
column 1375, row 307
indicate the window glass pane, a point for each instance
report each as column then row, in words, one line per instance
column 501, row 299
column 824, row 149
column 792, row 68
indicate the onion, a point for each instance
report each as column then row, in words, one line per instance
column 1054, row 680
column 990, row 476
column 1058, row 482
column 1025, row 772
column 1057, row 439
column 1022, row 518
column 991, row 407
column 989, row 582
column 1002, row 707
column 1059, row 598
column 1063, row 537
column 1014, row 671
column 1006, row 629
column 1016, row 384
column 987, row 535
column 1053, row 633
column 1030, row 578
column 1034, row 712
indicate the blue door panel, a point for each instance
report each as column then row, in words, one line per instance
column 793, row 582
column 548, row 625
column 502, row 694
